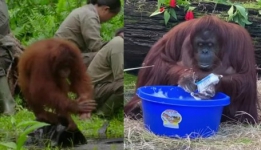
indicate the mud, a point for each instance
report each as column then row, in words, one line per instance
column 102, row 144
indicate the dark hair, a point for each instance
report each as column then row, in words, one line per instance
column 115, row 5
column 119, row 31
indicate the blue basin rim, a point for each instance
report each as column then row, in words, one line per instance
column 223, row 101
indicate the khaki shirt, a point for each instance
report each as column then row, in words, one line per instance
column 82, row 26
column 4, row 18
column 107, row 65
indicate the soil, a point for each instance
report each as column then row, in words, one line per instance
column 92, row 144
column 103, row 144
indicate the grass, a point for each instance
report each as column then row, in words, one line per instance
column 89, row 128
column 229, row 137
column 129, row 86
column 129, row 79
column 9, row 130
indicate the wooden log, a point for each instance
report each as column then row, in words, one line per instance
column 142, row 31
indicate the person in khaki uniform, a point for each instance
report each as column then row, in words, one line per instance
column 82, row 26
column 7, row 103
column 106, row 71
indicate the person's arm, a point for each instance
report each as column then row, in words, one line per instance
column 117, row 63
column 90, row 28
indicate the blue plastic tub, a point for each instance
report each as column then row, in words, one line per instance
column 179, row 114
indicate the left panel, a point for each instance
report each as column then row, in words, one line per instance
column 61, row 74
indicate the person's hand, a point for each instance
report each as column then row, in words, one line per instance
column 121, row 34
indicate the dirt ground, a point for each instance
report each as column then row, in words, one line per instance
column 110, row 144
column 229, row 137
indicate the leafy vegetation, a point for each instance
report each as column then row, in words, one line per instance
column 237, row 12
column 34, row 20
column 22, row 138
column 13, row 129
column 30, row 21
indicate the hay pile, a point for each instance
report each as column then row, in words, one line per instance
column 229, row 137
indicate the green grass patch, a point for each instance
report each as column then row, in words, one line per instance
column 129, row 79
column 10, row 131
column 245, row 140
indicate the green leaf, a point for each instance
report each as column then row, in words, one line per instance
column 242, row 23
column 259, row 12
column 157, row 12
column 165, row 1
column 230, row 11
column 42, row 2
column 242, row 10
column 27, row 123
column 162, row 2
column 13, row 120
column 231, row 18
column 159, row 4
column 236, row 19
column 166, row 17
column 173, row 13
column 191, row 8
column 11, row 145
column 22, row 138
column 246, row 21
column 259, row 2
column 222, row 1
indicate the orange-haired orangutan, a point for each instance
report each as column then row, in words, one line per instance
column 196, row 48
column 48, row 70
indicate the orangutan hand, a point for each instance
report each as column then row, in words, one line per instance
column 187, row 81
column 206, row 94
column 85, row 116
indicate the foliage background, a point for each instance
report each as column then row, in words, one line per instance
column 33, row 20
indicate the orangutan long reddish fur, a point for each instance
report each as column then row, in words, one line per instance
column 173, row 53
column 41, row 87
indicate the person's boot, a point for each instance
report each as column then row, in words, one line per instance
column 110, row 106
column 7, row 102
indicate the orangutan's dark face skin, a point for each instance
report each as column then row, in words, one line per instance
column 64, row 73
column 206, row 47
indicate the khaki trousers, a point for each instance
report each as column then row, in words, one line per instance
column 109, row 97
